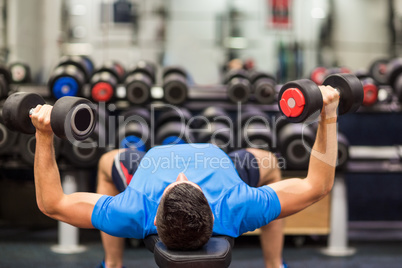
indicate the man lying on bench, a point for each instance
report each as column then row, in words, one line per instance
column 186, row 193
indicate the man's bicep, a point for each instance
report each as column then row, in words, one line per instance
column 76, row 209
column 294, row 195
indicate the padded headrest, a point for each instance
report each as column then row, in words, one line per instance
column 217, row 253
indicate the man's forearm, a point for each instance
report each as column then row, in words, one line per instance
column 47, row 178
column 323, row 157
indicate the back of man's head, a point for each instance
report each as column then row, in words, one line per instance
column 184, row 218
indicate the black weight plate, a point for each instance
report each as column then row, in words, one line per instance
column 7, row 138
column 378, row 70
column 175, row 88
column 293, row 140
column 394, row 70
column 73, row 118
column 343, row 151
column 149, row 69
column 174, row 129
column 85, row 153
column 351, row 91
column 27, row 147
column 253, row 116
column 257, row 135
column 138, row 88
column 210, row 115
column 218, row 134
column 142, row 113
column 174, row 70
column 239, row 90
column 4, row 88
column 264, row 91
column 216, row 114
column 240, row 73
column 4, row 71
column 5, row 78
column 398, row 88
column 79, row 62
column 114, row 68
column 173, row 114
column 312, row 96
column 255, row 75
column 16, row 111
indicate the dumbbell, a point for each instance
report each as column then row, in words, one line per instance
column 370, row 88
column 20, row 73
column 255, row 129
column 86, row 153
column 302, row 98
column 175, row 86
column 295, row 141
column 139, row 82
column 213, row 125
column 394, row 76
column 263, row 85
column 378, row 71
column 8, row 138
column 133, row 129
column 343, row 151
column 71, row 117
column 238, row 86
column 173, row 127
column 343, row 147
column 104, row 81
column 319, row 74
column 5, row 80
column 70, row 75
column 27, row 146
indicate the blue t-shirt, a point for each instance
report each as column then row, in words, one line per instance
column 237, row 207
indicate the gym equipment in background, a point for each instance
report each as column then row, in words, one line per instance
column 255, row 129
column 263, row 87
column 139, row 82
column 370, row 89
column 104, row 81
column 394, row 76
column 20, row 73
column 5, row 80
column 173, row 128
column 134, row 129
column 238, row 86
column 215, row 126
column 295, row 142
column 175, row 86
column 378, row 71
column 70, row 75
column 27, row 145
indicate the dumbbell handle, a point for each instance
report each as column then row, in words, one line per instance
column 31, row 111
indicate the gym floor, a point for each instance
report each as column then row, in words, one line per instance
column 31, row 248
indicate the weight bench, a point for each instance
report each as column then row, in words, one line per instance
column 217, row 253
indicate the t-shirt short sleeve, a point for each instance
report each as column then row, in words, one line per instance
column 124, row 215
column 248, row 208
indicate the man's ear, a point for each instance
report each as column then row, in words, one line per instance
column 155, row 221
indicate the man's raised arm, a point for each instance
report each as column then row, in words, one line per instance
column 75, row 209
column 297, row 194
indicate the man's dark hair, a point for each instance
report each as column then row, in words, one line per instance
column 184, row 218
